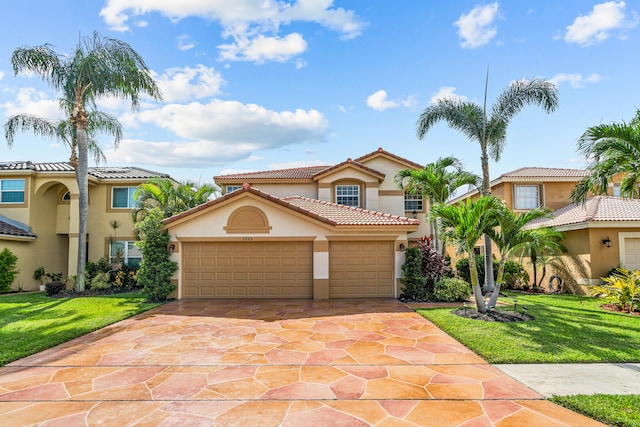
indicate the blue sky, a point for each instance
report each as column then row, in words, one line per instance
column 268, row 84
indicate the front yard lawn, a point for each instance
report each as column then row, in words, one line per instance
column 566, row 329
column 614, row 410
column 33, row 322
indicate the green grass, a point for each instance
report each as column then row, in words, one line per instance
column 33, row 322
column 566, row 329
column 614, row 410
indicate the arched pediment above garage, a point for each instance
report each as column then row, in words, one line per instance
column 247, row 219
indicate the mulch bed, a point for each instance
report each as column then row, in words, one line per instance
column 616, row 309
column 90, row 293
column 493, row 315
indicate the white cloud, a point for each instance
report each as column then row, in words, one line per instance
column 446, row 92
column 260, row 49
column 217, row 133
column 1, row 74
column 181, row 84
column 598, row 25
column 378, row 101
column 142, row 24
column 476, row 27
column 31, row 101
column 185, row 42
column 575, row 80
column 252, row 24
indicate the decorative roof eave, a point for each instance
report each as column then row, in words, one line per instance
column 11, row 237
column 350, row 164
column 242, row 180
column 381, row 152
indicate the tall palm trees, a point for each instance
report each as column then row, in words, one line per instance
column 489, row 128
column 611, row 149
column 438, row 181
column 97, row 67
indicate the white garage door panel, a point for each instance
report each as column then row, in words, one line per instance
column 632, row 254
column 247, row 270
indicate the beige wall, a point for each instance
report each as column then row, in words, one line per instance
column 309, row 190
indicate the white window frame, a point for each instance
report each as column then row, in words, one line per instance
column 231, row 188
column 416, row 202
column 131, row 203
column 616, row 190
column 3, row 192
column 129, row 251
column 518, row 203
column 345, row 192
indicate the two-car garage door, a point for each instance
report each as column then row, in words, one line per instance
column 285, row 269
column 247, row 270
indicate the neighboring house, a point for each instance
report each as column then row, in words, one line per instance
column 599, row 235
column 314, row 232
column 39, row 215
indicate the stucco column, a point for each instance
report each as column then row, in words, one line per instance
column 74, row 218
column 320, row 269
column 399, row 255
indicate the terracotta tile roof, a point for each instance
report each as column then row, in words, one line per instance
column 599, row 208
column 11, row 228
column 129, row 172
column 294, row 173
column 531, row 172
column 329, row 213
column 388, row 154
column 346, row 215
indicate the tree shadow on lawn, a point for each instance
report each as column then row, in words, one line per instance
column 591, row 335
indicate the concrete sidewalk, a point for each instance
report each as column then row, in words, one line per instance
column 565, row 379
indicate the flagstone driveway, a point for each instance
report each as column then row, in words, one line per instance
column 269, row 363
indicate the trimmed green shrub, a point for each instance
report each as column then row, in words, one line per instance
column 514, row 275
column 93, row 268
column 100, row 281
column 413, row 281
column 449, row 290
column 55, row 288
column 8, row 270
column 463, row 272
column 156, row 267
column 621, row 289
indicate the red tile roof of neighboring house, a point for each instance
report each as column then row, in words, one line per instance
column 528, row 172
column 306, row 172
column 329, row 213
column 11, row 228
column 128, row 172
column 393, row 156
column 599, row 208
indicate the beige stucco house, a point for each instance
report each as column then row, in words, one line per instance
column 39, row 215
column 314, row 232
column 599, row 235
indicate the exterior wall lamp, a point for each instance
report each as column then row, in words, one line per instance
column 402, row 246
column 415, row 214
column 172, row 248
column 606, row 241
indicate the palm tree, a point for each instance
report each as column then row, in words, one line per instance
column 509, row 236
column 64, row 131
column 170, row 197
column 97, row 67
column 437, row 182
column 610, row 149
column 463, row 224
column 541, row 241
column 489, row 128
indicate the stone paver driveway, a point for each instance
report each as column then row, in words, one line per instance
column 269, row 363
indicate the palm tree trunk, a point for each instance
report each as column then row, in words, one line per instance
column 82, row 177
column 477, row 292
column 486, row 191
column 496, row 291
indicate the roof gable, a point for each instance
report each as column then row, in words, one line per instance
column 325, row 212
column 347, row 165
column 383, row 153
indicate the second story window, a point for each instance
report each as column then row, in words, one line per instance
column 348, row 195
column 231, row 188
column 526, row 197
column 12, row 191
column 122, row 197
column 413, row 203
column 616, row 190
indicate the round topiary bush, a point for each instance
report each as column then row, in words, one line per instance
column 448, row 290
